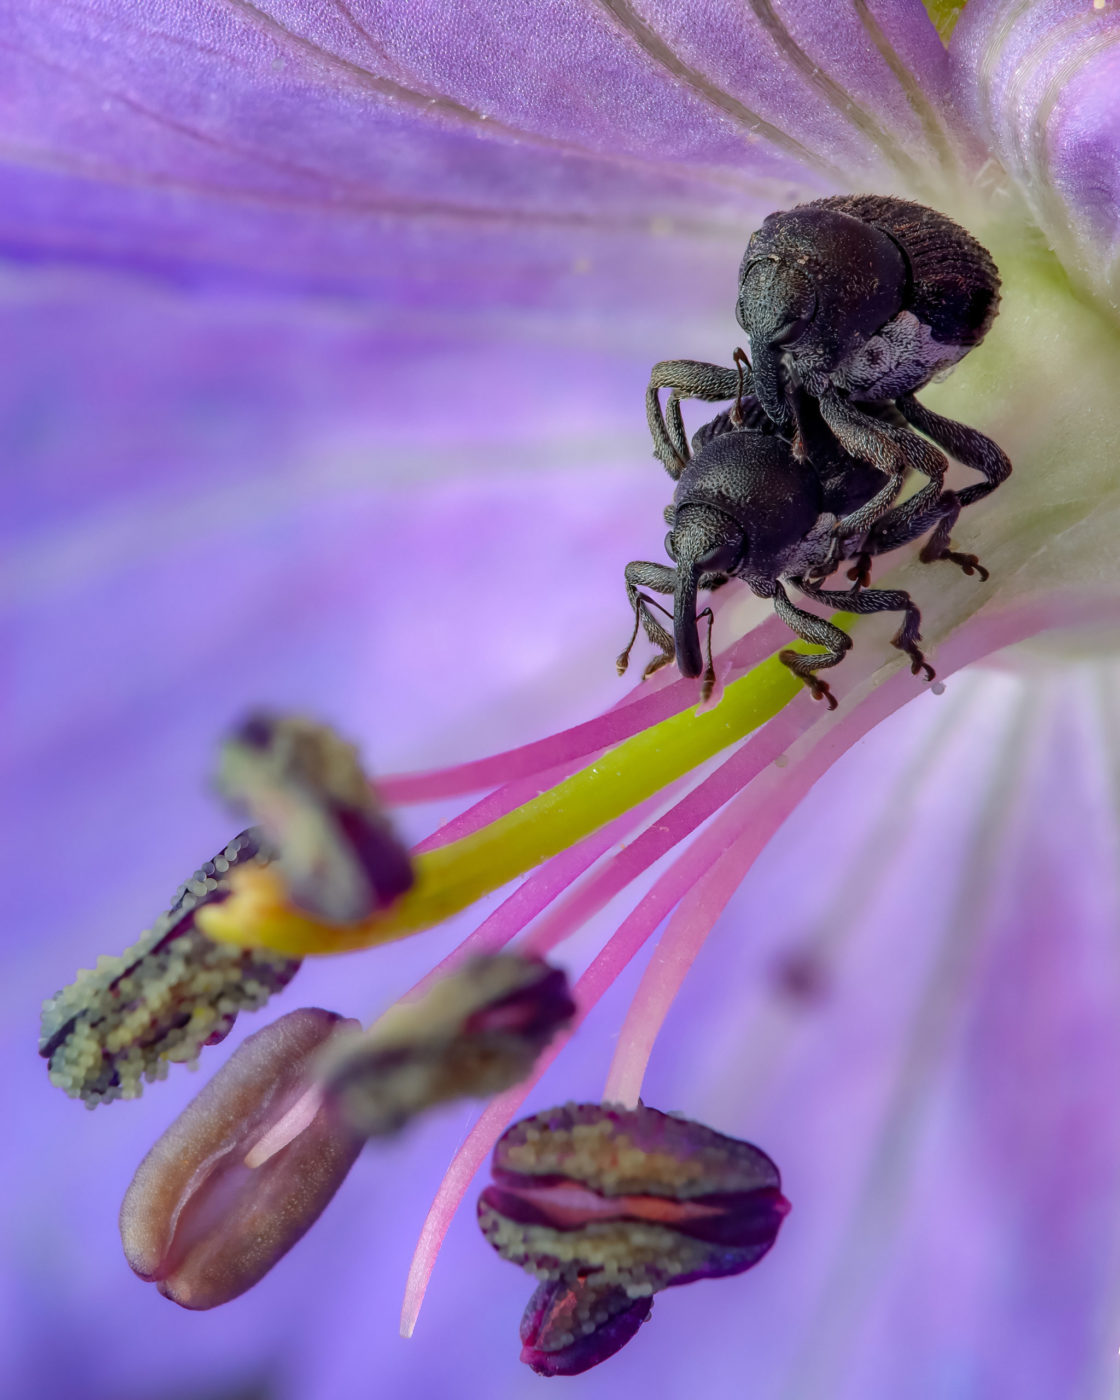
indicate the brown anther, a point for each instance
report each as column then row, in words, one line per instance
column 173, row 992
column 306, row 789
column 476, row 1032
column 208, row 1214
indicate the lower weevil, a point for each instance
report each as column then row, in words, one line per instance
column 747, row 507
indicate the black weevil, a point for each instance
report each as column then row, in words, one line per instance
column 858, row 300
column 865, row 299
column 746, row 506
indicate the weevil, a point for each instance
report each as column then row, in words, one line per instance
column 852, row 303
column 864, row 299
column 747, row 506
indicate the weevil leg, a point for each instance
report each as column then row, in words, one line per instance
column 674, row 424
column 875, row 600
column 893, row 450
column 662, row 579
column 903, row 524
column 965, row 444
column 743, row 371
column 937, row 546
column 691, row 379
column 820, row 632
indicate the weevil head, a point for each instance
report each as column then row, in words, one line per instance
column 813, row 285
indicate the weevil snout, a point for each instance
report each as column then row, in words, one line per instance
column 705, row 541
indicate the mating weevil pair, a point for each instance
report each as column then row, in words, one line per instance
column 850, row 304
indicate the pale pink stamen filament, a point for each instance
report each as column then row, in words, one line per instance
column 286, row 1129
column 973, row 641
column 539, row 890
column 616, row 954
column 730, row 847
column 585, row 900
column 760, row 811
column 644, row 707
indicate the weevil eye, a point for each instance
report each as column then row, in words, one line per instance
column 723, row 557
column 776, row 302
column 670, row 548
column 787, row 335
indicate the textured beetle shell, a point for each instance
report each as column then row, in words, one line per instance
column 776, row 500
column 954, row 281
column 755, row 480
column 904, row 355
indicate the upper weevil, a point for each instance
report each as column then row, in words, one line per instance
column 863, row 299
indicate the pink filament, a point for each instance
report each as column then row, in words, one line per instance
column 758, row 813
column 722, row 855
column 538, row 891
column 286, row 1129
column 669, row 830
column 492, row 1123
column 606, row 967
column 644, row 707
column 712, row 867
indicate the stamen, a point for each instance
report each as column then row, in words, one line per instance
column 473, row 1033
column 973, row 641
column 207, row 1215
column 762, row 808
column 448, row 879
column 163, row 999
column 305, row 788
column 729, row 848
column 539, row 890
column 629, row 1199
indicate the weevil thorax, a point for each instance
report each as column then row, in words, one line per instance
column 814, row 283
column 753, row 487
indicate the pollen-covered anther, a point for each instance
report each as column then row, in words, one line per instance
column 568, row 1327
column 630, row 1199
column 474, row 1033
column 304, row 786
column 173, row 992
column 242, row 1173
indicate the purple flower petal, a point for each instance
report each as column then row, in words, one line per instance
column 394, row 149
column 1039, row 83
